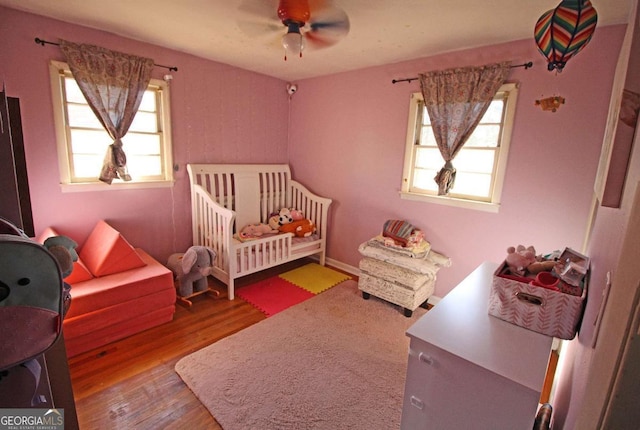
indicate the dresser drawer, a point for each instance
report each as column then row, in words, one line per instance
column 444, row 391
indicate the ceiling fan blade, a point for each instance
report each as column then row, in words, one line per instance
column 260, row 28
column 258, row 18
column 317, row 5
column 327, row 27
column 313, row 41
column 332, row 17
column 260, row 8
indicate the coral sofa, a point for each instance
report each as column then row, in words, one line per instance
column 116, row 291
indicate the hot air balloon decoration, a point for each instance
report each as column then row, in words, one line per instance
column 562, row 32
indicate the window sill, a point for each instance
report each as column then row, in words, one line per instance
column 99, row 186
column 450, row 201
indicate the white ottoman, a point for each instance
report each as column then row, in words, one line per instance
column 396, row 277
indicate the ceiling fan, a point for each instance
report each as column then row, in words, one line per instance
column 316, row 23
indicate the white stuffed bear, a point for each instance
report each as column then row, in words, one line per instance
column 281, row 218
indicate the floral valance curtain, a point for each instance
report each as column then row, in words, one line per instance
column 456, row 99
column 113, row 84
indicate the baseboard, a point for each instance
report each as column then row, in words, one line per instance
column 343, row 266
column 434, row 300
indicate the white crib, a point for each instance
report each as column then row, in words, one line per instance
column 226, row 197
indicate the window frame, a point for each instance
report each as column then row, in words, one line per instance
column 57, row 72
column 500, row 163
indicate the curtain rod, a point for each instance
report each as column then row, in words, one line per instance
column 525, row 65
column 42, row 42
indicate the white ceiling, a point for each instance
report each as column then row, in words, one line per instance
column 382, row 31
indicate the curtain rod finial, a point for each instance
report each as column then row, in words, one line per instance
column 39, row 41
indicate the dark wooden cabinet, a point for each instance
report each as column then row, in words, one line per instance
column 48, row 385
column 60, row 383
column 15, row 201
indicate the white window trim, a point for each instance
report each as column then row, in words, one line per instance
column 55, row 68
column 501, row 165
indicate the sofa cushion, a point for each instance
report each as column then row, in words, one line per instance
column 122, row 312
column 106, row 252
column 80, row 272
column 117, row 330
column 106, row 291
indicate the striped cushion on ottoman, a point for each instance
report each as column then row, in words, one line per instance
column 398, row 230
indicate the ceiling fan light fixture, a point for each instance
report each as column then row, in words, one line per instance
column 293, row 41
column 325, row 28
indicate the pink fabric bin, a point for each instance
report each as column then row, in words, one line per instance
column 542, row 310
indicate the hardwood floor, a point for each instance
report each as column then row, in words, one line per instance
column 131, row 384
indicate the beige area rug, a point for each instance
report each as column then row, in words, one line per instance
column 335, row 361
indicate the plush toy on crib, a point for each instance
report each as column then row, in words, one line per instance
column 296, row 215
column 281, row 218
column 253, row 231
column 302, row 228
column 285, row 216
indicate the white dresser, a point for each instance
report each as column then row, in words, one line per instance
column 470, row 370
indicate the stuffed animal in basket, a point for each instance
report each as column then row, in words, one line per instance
column 252, row 231
column 519, row 258
column 541, row 265
column 192, row 268
column 302, row 228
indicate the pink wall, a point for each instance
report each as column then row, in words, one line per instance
column 219, row 114
column 604, row 249
column 347, row 141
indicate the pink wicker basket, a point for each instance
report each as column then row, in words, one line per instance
column 542, row 310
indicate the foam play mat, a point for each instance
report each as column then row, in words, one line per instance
column 314, row 277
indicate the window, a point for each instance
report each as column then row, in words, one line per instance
column 480, row 164
column 82, row 141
